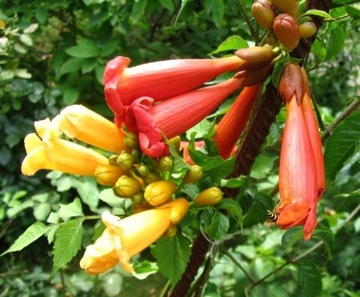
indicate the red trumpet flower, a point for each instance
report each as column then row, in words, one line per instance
column 159, row 80
column 174, row 116
column 233, row 123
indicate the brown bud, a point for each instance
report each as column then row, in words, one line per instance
column 255, row 57
column 291, row 83
column 287, row 6
column 253, row 77
column 307, row 29
column 286, row 31
column 263, row 13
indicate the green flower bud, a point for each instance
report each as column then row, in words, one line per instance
column 307, row 29
column 159, row 192
column 194, row 174
column 165, row 163
column 125, row 161
column 131, row 140
column 255, row 57
column 210, row 196
column 175, row 141
column 112, row 159
column 143, row 169
column 127, row 186
column 151, row 177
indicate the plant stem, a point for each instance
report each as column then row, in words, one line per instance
column 165, row 290
column 247, row 20
column 238, row 264
column 348, row 111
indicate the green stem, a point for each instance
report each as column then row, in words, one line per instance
column 165, row 290
column 348, row 111
column 238, row 264
column 247, row 20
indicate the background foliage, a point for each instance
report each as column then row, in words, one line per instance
column 52, row 54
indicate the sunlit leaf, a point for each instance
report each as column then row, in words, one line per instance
column 73, row 209
column 67, row 243
column 31, row 234
column 231, row 43
column 342, row 145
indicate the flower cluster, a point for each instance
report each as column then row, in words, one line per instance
column 281, row 19
column 301, row 173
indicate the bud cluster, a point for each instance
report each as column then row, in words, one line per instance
column 281, row 19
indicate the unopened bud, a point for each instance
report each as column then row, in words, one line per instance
column 159, row 192
column 263, row 13
column 194, row 174
column 287, row 6
column 179, row 208
column 151, row 177
column 165, row 163
column 291, row 83
column 112, row 159
column 125, row 160
column 171, row 231
column 253, row 77
column 286, row 31
column 143, row 169
column 127, row 186
column 307, row 29
column 131, row 140
column 107, row 175
column 255, row 57
column 210, row 196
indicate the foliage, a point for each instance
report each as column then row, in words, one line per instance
column 53, row 54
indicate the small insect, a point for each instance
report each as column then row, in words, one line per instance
column 272, row 216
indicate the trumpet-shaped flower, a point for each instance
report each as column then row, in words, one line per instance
column 174, row 116
column 122, row 239
column 159, row 80
column 58, row 154
column 297, row 174
column 234, row 121
column 79, row 122
column 313, row 131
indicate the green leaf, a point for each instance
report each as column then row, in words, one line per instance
column 353, row 11
column 26, row 39
column 231, row 43
column 215, row 224
column 292, row 238
column 85, row 49
column 233, row 183
column 326, row 235
column 342, row 145
column 67, row 243
column 144, row 269
column 138, row 10
column 216, row 167
column 232, row 208
column 71, row 95
column 320, row 13
column 41, row 15
column 336, row 40
column 73, row 209
column 111, row 199
column 71, row 65
column 217, row 11
column 278, row 69
column 172, row 256
column 309, row 278
column 31, row 234
column 318, row 48
column 168, row 4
